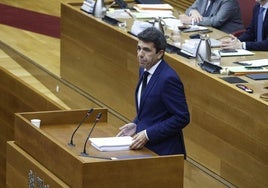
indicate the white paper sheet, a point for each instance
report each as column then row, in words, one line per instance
column 112, row 143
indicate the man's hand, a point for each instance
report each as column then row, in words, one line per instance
column 185, row 19
column 139, row 140
column 195, row 16
column 127, row 130
column 231, row 43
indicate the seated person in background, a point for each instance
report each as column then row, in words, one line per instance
column 222, row 14
column 256, row 35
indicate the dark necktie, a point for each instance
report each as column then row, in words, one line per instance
column 144, row 80
column 207, row 13
column 260, row 24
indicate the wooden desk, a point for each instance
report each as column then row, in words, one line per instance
column 228, row 130
column 57, row 163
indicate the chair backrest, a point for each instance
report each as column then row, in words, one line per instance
column 246, row 7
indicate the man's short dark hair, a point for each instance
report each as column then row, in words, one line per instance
column 155, row 36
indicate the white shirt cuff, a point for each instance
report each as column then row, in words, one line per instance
column 146, row 134
column 244, row 45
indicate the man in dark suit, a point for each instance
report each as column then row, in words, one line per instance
column 255, row 37
column 162, row 111
column 222, row 14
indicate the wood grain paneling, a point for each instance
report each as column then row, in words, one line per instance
column 21, row 166
column 102, row 71
column 16, row 96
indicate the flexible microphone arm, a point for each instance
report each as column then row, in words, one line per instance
column 84, row 153
column 83, row 120
column 112, row 4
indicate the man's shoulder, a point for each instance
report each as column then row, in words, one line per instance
column 165, row 67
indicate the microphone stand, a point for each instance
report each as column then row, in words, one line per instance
column 83, row 120
column 84, row 153
column 112, row 4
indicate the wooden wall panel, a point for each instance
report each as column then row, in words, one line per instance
column 228, row 130
column 103, row 72
column 16, row 96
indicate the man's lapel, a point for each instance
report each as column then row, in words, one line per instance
column 150, row 85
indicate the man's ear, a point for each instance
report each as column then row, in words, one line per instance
column 160, row 54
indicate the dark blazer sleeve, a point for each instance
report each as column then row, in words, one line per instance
column 175, row 102
column 199, row 5
column 250, row 35
column 225, row 15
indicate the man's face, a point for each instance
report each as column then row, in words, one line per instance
column 147, row 56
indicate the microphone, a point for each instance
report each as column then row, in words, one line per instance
column 83, row 120
column 84, row 153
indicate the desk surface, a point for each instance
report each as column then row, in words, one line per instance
column 259, row 86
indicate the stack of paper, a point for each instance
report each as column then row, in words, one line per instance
column 254, row 63
column 172, row 23
column 213, row 42
column 153, row 14
column 118, row 13
column 241, row 70
column 194, row 28
column 237, row 52
column 140, row 7
column 88, row 6
column 153, row 11
column 190, row 47
column 112, row 143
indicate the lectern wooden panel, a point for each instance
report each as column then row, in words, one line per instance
column 25, row 171
column 49, row 146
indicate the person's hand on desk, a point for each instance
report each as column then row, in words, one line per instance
column 185, row 19
column 231, row 42
column 127, row 130
column 195, row 17
column 139, row 140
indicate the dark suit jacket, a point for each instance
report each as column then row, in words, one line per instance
column 163, row 111
column 250, row 35
column 225, row 15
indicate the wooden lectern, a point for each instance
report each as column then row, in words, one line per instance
column 42, row 157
